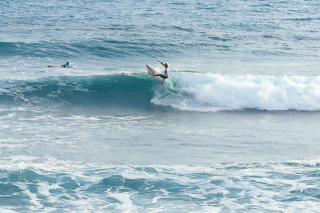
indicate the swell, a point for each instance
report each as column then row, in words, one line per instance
column 102, row 48
column 38, row 49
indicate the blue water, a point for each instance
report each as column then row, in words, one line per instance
column 234, row 129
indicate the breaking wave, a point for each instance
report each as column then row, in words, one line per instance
column 203, row 92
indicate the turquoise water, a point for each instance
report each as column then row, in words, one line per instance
column 238, row 133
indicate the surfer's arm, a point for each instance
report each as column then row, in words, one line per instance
column 161, row 63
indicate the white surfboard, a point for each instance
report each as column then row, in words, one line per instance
column 166, row 82
column 153, row 72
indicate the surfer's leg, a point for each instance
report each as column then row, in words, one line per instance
column 162, row 76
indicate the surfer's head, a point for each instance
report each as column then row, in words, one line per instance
column 166, row 65
column 68, row 63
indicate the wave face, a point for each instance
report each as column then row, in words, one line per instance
column 203, row 92
column 121, row 90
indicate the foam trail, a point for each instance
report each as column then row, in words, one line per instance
column 211, row 92
column 48, row 185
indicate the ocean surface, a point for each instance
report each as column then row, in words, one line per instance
column 234, row 129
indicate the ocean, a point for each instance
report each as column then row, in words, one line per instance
column 235, row 128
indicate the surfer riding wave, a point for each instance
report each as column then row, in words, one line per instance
column 166, row 70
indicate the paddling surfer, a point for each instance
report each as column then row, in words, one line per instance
column 67, row 65
column 166, row 70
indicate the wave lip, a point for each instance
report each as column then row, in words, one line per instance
column 212, row 92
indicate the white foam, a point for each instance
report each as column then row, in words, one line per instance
column 211, row 92
column 308, row 162
column 124, row 198
column 4, row 210
column 33, row 197
column 45, row 188
column 260, row 186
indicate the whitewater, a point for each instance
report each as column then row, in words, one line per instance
column 234, row 129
